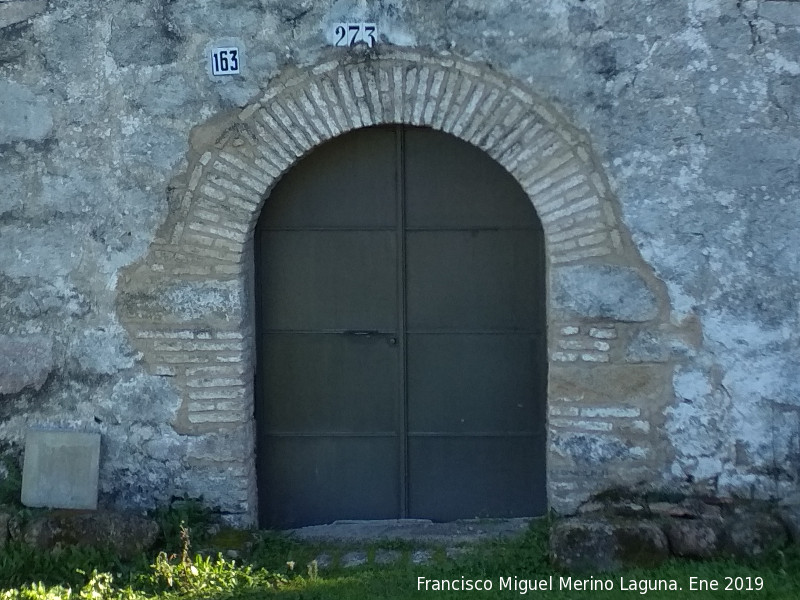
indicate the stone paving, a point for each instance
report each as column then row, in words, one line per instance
column 420, row 530
column 384, row 557
column 457, row 537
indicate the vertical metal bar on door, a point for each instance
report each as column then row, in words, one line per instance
column 401, row 333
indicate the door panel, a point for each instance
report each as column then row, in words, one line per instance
column 310, row 366
column 316, row 480
column 475, row 280
column 451, row 376
column 452, row 185
column 475, row 477
column 329, row 280
column 348, row 182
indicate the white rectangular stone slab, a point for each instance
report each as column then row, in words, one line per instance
column 781, row 12
column 61, row 469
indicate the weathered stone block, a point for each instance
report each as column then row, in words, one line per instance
column 125, row 534
column 620, row 508
column 61, row 469
column 186, row 301
column 586, row 448
column 687, row 509
column 692, row 538
column 25, row 361
column 603, row 292
column 790, row 517
column 23, row 116
column 387, row 557
column 323, row 561
column 17, row 12
column 654, row 346
column 647, row 346
column 421, row 557
column 353, row 559
column 641, row 544
column 585, row 544
column 102, row 351
column 783, row 12
column 750, row 535
column 126, row 45
column 609, row 384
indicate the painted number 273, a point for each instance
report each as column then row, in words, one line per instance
column 350, row 34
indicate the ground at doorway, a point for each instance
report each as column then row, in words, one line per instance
column 416, row 541
column 280, row 566
column 415, row 530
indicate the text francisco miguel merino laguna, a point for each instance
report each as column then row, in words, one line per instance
column 523, row 586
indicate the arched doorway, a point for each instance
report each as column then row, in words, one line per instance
column 187, row 304
column 401, row 366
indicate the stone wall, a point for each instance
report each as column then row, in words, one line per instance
column 659, row 144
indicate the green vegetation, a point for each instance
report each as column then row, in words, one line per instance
column 271, row 565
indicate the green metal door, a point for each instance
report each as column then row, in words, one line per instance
column 400, row 329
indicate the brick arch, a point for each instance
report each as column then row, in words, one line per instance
column 551, row 160
column 187, row 304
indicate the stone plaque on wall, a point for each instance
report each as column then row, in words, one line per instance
column 61, row 469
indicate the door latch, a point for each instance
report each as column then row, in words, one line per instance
column 367, row 333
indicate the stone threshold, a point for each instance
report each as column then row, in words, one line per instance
column 422, row 531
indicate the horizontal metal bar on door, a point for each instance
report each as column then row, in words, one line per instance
column 337, row 434
column 392, row 228
column 501, row 228
column 418, row 434
column 484, row 434
column 533, row 332
column 358, row 332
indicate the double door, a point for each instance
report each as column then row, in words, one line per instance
column 400, row 329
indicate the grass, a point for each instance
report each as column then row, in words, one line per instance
column 265, row 571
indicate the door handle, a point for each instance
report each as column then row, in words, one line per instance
column 367, row 333
column 361, row 332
